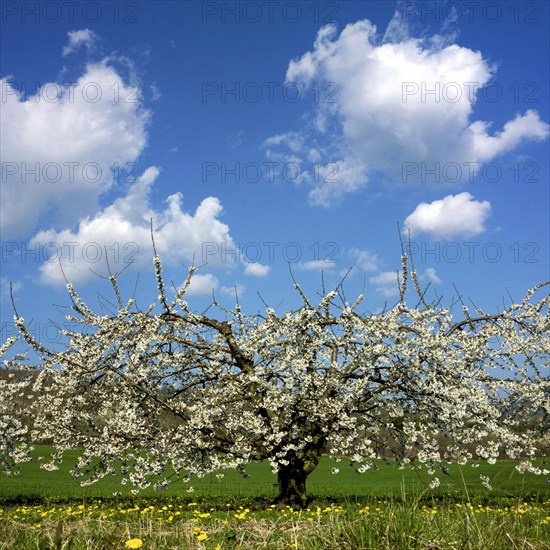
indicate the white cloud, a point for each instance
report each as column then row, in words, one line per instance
column 235, row 139
column 514, row 132
column 431, row 275
column 364, row 259
column 386, row 283
column 452, row 216
column 123, row 228
column 397, row 29
column 383, row 120
column 202, row 284
column 256, row 269
column 65, row 147
column 293, row 140
column 319, row 265
column 16, row 286
column 336, row 179
column 230, row 290
column 155, row 91
column 83, row 37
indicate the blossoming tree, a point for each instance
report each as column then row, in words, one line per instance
column 165, row 393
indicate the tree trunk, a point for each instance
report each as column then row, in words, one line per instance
column 292, row 478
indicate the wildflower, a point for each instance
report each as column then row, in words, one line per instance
column 133, row 543
column 434, row 483
column 485, row 482
column 202, row 536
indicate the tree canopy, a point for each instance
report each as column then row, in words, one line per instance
column 165, row 393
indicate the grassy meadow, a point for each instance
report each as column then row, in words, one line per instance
column 385, row 508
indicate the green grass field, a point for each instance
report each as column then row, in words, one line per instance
column 33, row 483
column 383, row 508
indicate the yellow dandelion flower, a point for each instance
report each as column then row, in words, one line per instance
column 133, row 543
column 202, row 536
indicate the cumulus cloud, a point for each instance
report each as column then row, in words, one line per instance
column 431, row 276
column 256, row 269
column 364, row 259
column 452, row 216
column 230, row 290
column 515, row 131
column 202, row 284
column 384, row 119
column 83, row 37
column 385, row 283
column 335, row 179
column 5, row 283
column 66, row 146
column 121, row 233
column 318, row 265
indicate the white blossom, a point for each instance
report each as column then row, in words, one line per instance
column 176, row 395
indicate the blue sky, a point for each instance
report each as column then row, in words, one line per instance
column 258, row 136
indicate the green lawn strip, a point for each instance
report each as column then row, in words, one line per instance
column 34, row 483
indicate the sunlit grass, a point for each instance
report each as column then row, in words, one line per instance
column 372, row 523
column 386, row 480
column 383, row 509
